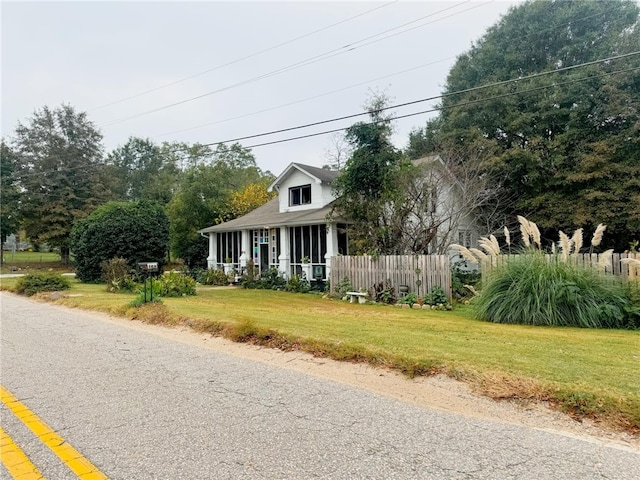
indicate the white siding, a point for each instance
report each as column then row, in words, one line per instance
column 320, row 193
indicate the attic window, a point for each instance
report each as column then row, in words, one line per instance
column 300, row 195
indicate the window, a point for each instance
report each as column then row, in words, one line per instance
column 465, row 238
column 300, row 195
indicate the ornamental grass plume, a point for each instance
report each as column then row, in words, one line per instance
column 535, row 233
column 507, row 236
column 524, row 230
column 565, row 245
column 464, row 251
column 478, row 253
column 604, row 261
column 577, row 241
column 490, row 245
column 597, row 236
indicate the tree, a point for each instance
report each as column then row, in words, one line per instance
column 566, row 142
column 204, row 198
column 61, row 173
column 368, row 184
column 251, row 197
column 135, row 231
column 9, row 195
column 141, row 170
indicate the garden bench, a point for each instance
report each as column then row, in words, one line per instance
column 361, row 296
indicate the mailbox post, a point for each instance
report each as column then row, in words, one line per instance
column 147, row 269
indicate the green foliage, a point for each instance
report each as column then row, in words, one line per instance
column 212, row 276
column 135, row 231
column 436, row 297
column 410, row 299
column 532, row 290
column 141, row 170
column 9, row 193
column 384, row 292
column 567, row 149
column 461, row 277
column 174, row 284
column 270, row 279
column 298, row 284
column 205, row 197
column 41, row 282
column 61, row 173
column 117, row 274
column 343, row 286
column 368, row 182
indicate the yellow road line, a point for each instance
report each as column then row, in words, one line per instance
column 16, row 461
column 73, row 459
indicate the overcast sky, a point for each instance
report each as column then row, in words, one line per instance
column 96, row 55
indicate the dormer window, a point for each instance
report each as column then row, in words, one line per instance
column 300, row 195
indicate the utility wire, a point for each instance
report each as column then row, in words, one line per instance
column 302, row 63
column 238, row 117
column 246, row 57
column 438, row 108
column 435, row 97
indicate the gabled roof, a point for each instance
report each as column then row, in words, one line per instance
column 268, row 215
column 320, row 175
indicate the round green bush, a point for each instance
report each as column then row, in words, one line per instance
column 535, row 289
column 41, row 282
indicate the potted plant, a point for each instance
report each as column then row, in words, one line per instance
column 306, row 268
column 228, row 265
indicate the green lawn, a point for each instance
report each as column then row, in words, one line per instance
column 585, row 372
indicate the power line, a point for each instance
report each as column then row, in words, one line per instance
column 439, row 108
column 238, row 117
column 309, row 61
column 435, row 97
column 464, row 104
column 246, row 57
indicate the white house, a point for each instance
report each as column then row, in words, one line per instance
column 293, row 232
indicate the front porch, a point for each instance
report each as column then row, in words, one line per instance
column 292, row 250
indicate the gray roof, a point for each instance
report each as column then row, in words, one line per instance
column 325, row 176
column 268, row 215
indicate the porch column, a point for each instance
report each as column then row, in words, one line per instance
column 332, row 246
column 245, row 248
column 285, row 255
column 212, row 260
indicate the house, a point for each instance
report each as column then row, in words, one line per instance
column 293, row 232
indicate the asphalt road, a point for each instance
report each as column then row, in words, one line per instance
column 140, row 406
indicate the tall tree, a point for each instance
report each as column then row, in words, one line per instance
column 568, row 142
column 369, row 182
column 205, row 198
column 61, row 173
column 9, row 195
column 142, row 170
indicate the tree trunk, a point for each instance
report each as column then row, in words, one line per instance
column 64, row 255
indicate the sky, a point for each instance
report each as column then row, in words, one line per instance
column 206, row 72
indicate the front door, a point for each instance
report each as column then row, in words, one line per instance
column 264, row 257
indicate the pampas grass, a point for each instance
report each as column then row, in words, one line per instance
column 597, row 235
column 530, row 290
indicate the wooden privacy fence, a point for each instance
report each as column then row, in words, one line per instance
column 614, row 266
column 418, row 272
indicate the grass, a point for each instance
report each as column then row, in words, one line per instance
column 584, row 372
column 22, row 262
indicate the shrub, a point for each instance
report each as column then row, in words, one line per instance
column 298, row 284
column 117, row 275
column 410, row 299
column 384, row 292
column 135, row 231
column 532, row 290
column 460, row 278
column 212, row 277
column 343, row 286
column 41, row 282
column 436, row 297
column 174, row 284
column 268, row 280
